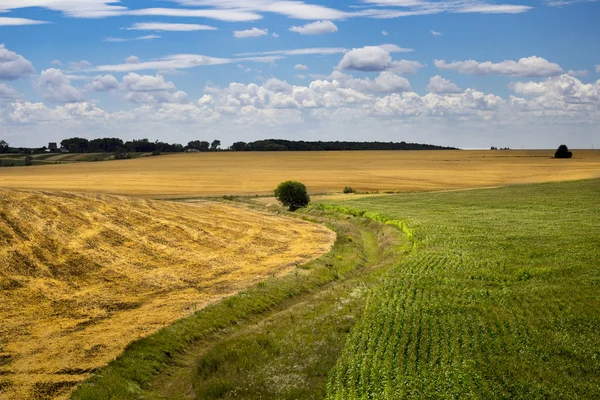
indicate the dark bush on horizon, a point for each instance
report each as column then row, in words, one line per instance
column 563, row 152
column 348, row 190
column 292, row 195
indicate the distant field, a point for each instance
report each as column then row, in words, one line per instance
column 498, row 299
column 81, row 276
column 216, row 174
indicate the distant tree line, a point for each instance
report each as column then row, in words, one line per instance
column 288, row 145
column 122, row 148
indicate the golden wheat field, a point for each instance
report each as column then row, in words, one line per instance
column 214, row 174
column 83, row 275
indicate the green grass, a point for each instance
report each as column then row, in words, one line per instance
column 278, row 339
column 499, row 299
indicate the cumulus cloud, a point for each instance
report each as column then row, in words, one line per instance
column 439, row 85
column 8, row 93
column 150, row 89
column 169, row 27
column 102, row 83
column 13, row 66
column 582, row 72
column 384, row 33
column 78, row 65
column 132, row 60
column 300, row 67
column 566, row 88
column 375, row 58
column 525, row 67
column 56, row 62
column 254, row 32
column 386, row 82
column 315, row 28
column 56, row 87
column 338, row 103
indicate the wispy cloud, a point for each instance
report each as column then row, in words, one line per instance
column 163, row 26
column 9, row 21
column 179, row 61
column 116, row 40
column 435, row 33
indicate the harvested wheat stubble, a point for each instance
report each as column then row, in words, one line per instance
column 244, row 173
column 81, row 276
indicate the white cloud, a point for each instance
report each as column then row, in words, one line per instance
column 392, row 48
column 169, row 27
column 439, row 85
column 56, row 87
column 275, row 35
column 598, row 69
column 494, row 9
column 78, row 65
column 384, row 33
column 8, row 93
column 300, row 67
column 561, row 3
column 435, row 33
column 527, row 67
column 172, row 62
column 386, row 82
column 73, row 8
column 566, row 88
column 118, row 40
column 56, row 62
column 254, row 32
column 102, row 83
column 132, row 60
column 547, row 112
column 9, row 21
column 315, row 28
column 148, row 89
column 297, row 52
column 293, row 9
column 582, row 72
column 375, row 58
column 13, row 66
column 146, row 83
column 227, row 15
column 243, row 10
column 406, row 8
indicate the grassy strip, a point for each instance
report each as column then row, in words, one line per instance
column 288, row 354
column 499, row 301
column 128, row 376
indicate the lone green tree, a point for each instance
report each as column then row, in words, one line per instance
column 292, row 195
column 563, row 152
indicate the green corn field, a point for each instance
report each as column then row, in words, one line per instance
column 499, row 298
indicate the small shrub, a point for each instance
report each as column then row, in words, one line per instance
column 348, row 190
column 563, row 152
column 292, row 195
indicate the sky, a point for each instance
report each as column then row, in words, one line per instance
column 465, row 73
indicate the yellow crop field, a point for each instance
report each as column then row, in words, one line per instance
column 83, row 275
column 208, row 174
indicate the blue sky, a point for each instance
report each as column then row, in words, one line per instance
column 469, row 73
